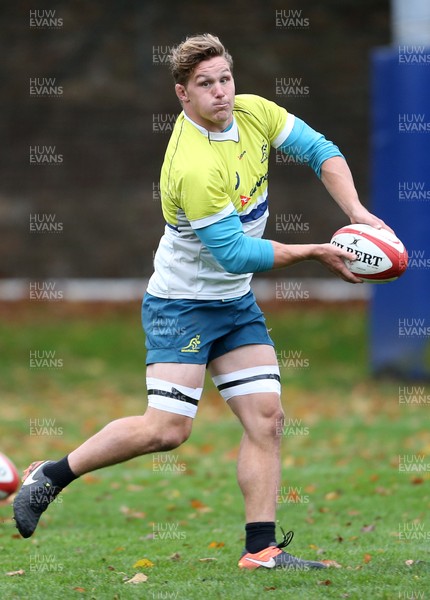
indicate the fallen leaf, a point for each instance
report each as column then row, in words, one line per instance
column 367, row 528
column 417, row 480
column 331, row 563
column 138, row 578
column 13, row 573
column 175, row 556
column 132, row 514
column 206, row 448
column 206, row 559
column 89, row 479
column 367, row 558
column 132, row 487
column 409, row 562
column 198, row 505
column 332, row 495
column 293, row 496
column 143, row 562
column 324, row 582
column 382, row 491
column 309, row 489
column 216, row 545
column 269, row 589
column 79, row 589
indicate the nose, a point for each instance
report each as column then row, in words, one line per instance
column 218, row 90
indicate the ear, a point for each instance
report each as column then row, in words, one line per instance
column 181, row 92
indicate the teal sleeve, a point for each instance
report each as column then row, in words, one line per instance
column 235, row 251
column 309, row 146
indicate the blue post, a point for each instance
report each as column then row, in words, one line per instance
column 400, row 190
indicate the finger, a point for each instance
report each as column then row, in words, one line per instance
column 351, row 278
column 341, row 268
column 347, row 275
column 382, row 225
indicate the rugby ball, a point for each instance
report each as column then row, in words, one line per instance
column 9, row 478
column 381, row 256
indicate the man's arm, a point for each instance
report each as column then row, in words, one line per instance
column 337, row 179
column 328, row 255
column 239, row 253
column 328, row 163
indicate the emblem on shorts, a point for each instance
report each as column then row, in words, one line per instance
column 193, row 345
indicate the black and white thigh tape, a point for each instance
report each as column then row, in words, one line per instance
column 172, row 397
column 249, row 381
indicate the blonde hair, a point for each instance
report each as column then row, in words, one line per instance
column 193, row 50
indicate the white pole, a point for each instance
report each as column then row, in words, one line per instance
column 410, row 22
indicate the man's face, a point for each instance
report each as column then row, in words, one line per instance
column 208, row 96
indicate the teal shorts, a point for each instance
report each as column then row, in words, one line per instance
column 198, row 331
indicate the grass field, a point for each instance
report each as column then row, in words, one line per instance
column 355, row 484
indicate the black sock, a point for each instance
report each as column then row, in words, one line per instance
column 60, row 473
column 259, row 535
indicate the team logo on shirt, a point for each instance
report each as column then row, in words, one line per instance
column 264, row 153
column 237, row 181
column 193, row 345
column 244, row 200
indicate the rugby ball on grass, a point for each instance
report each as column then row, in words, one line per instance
column 381, row 256
column 9, row 478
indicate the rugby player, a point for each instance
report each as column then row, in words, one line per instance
column 214, row 192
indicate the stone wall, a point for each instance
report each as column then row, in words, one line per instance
column 88, row 106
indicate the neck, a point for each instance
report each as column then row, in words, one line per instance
column 209, row 125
